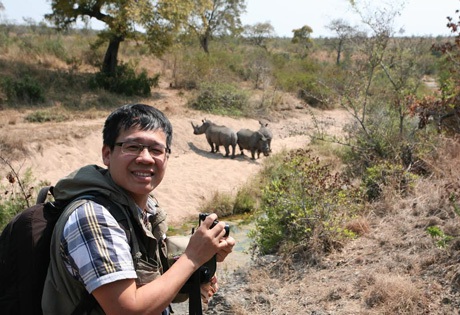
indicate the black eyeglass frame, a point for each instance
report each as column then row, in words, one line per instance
column 142, row 147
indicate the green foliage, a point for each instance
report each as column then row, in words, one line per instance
column 192, row 66
column 454, row 202
column 55, row 47
column 5, row 39
column 302, row 77
column 302, row 37
column 386, row 174
column 220, row 203
column 439, row 236
column 125, row 81
column 212, row 18
column 40, row 116
column 304, row 207
column 379, row 137
column 161, row 21
column 25, row 89
column 15, row 197
column 221, row 99
column 245, row 202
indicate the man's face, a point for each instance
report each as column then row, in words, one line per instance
column 138, row 173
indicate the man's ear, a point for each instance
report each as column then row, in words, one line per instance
column 106, row 155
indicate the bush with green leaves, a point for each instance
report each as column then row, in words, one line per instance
column 125, row 81
column 246, row 200
column 16, row 196
column 24, row 88
column 220, row 203
column 220, row 99
column 304, row 207
column 386, row 174
column 302, row 77
column 40, row 116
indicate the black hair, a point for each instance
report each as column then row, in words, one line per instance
column 142, row 116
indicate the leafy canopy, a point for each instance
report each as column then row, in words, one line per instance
column 126, row 18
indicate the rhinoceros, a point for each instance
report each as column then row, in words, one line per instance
column 267, row 134
column 253, row 141
column 217, row 136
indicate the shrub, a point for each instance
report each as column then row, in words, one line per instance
column 304, row 207
column 220, row 99
column 125, row 81
column 55, row 47
column 40, row 116
column 386, row 174
column 302, row 77
column 24, row 88
column 220, row 203
column 16, row 196
column 245, row 202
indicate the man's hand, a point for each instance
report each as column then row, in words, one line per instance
column 207, row 291
column 226, row 247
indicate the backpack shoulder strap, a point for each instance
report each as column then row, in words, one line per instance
column 123, row 219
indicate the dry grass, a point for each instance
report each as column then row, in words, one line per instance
column 394, row 294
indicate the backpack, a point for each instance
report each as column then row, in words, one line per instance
column 25, row 253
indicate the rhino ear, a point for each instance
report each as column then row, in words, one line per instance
column 263, row 124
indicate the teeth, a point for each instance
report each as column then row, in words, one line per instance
column 142, row 174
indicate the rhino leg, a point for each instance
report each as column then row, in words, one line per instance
column 241, row 149
column 227, row 150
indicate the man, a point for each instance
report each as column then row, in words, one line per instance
column 90, row 250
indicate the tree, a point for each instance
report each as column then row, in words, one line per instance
column 344, row 31
column 259, row 33
column 376, row 87
column 302, row 36
column 444, row 109
column 211, row 17
column 160, row 20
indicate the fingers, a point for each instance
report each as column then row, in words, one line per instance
column 226, row 247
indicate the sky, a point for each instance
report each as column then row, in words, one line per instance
column 418, row 17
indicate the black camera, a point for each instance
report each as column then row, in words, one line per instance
column 203, row 216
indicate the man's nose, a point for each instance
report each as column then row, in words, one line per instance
column 145, row 153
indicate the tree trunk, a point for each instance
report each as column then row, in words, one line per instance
column 204, row 42
column 110, row 63
column 339, row 52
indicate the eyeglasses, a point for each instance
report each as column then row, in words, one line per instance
column 134, row 148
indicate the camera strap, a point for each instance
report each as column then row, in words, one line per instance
column 194, row 306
